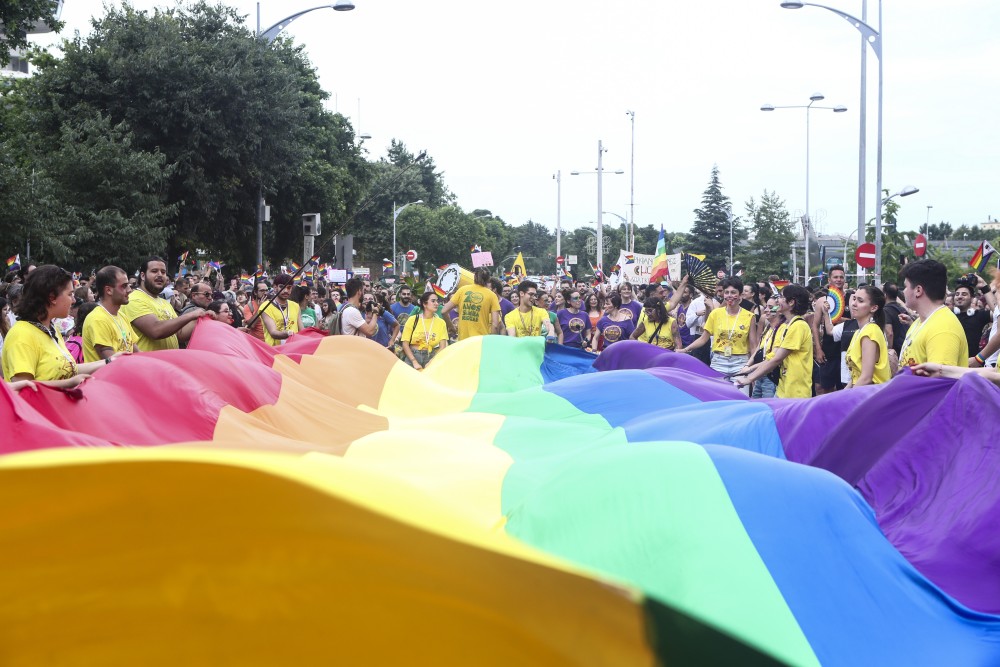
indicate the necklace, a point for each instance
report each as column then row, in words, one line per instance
column 531, row 322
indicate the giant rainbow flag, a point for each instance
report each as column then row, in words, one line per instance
column 512, row 504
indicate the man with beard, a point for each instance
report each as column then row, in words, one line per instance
column 403, row 307
column 105, row 331
column 282, row 317
column 153, row 319
column 972, row 319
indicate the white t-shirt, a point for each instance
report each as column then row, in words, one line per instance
column 992, row 361
column 351, row 320
column 695, row 322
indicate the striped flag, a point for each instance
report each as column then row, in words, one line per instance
column 296, row 266
column 660, row 270
column 183, row 257
column 14, row 263
column 437, row 290
column 978, row 261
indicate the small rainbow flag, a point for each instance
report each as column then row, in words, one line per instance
column 387, row 264
column 14, row 263
column 630, row 259
column 978, row 261
column 215, row 265
column 476, row 248
column 437, row 290
column 314, row 260
column 183, row 257
column 296, row 266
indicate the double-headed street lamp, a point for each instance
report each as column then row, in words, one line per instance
column 269, row 35
column 600, row 202
column 815, row 97
column 874, row 39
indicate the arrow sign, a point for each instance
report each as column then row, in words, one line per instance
column 865, row 255
column 920, row 245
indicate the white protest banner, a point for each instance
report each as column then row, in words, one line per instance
column 640, row 268
column 482, row 259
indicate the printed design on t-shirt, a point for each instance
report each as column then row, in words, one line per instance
column 472, row 305
column 627, row 312
column 576, row 324
column 612, row 333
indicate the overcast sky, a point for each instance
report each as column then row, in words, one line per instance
column 502, row 95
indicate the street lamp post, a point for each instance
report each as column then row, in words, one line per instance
column 874, row 39
column 600, row 202
column 269, row 35
column 558, row 178
column 905, row 192
column 627, row 232
column 815, row 97
column 927, row 223
column 631, row 190
column 395, row 214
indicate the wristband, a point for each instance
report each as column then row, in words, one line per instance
column 984, row 290
column 980, row 358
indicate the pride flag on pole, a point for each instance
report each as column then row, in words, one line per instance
column 660, row 270
column 14, row 263
column 978, row 261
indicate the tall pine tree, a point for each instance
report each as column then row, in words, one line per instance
column 773, row 232
column 710, row 231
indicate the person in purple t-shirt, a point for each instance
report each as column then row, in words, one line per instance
column 616, row 324
column 575, row 323
column 634, row 308
column 505, row 304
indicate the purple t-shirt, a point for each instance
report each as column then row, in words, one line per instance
column 575, row 327
column 613, row 331
column 635, row 308
column 505, row 307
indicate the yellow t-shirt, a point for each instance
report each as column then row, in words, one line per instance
column 28, row 349
column 139, row 304
column 766, row 342
column 476, row 305
column 286, row 319
column 939, row 340
column 527, row 324
column 664, row 338
column 877, row 336
column 428, row 334
column 103, row 328
column 727, row 330
column 796, row 368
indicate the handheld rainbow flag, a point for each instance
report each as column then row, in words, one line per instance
column 296, row 266
column 314, row 260
column 183, row 257
column 215, row 265
column 660, row 270
column 245, row 278
column 978, row 261
column 14, row 263
column 476, row 248
column 387, row 264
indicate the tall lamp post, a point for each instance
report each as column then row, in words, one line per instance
column 815, row 97
column 270, row 34
column 905, row 192
column 600, row 202
column 927, row 223
column 631, row 188
column 395, row 214
column 558, row 179
column 874, row 39
column 624, row 222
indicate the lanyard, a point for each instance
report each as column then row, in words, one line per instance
column 531, row 322
column 121, row 329
column 427, row 332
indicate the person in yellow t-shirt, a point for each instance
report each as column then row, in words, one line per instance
column 154, row 321
column 793, row 348
column 478, row 307
column 105, row 331
column 937, row 335
column 731, row 329
column 282, row 317
column 867, row 355
column 527, row 319
column 424, row 335
column 655, row 326
column 34, row 350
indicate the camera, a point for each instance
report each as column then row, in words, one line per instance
column 970, row 280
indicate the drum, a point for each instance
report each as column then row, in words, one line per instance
column 453, row 276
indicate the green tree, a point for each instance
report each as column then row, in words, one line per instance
column 533, row 239
column 20, row 17
column 710, row 231
column 441, row 235
column 773, row 235
column 234, row 114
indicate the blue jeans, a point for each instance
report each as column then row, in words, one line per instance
column 763, row 388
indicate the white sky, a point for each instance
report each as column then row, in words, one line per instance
column 504, row 94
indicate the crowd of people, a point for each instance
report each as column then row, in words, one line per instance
column 58, row 329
